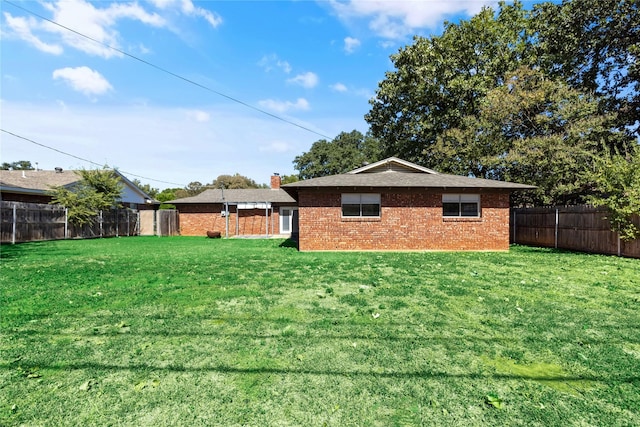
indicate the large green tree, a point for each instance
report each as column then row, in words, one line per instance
column 518, row 95
column 193, row 189
column 97, row 189
column 595, row 45
column 235, row 181
column 438, row 81
column 617, row 185
column 345, row 152
column 537, row 130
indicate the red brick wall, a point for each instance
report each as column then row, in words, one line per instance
column 196, row 220
column 409, row 220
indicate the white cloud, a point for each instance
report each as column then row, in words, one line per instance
column 301, row 104
column 23, row 29
column 338, row 87
column 83, row 79
column 188, row 8
column 213, row 19
column 275, row 147
column 98, row 23
column 398, row 19
column 199, row 116
column 307, row 80
column 269, row 62
column 351, row 44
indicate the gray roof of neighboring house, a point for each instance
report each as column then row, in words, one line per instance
column 42, row 181
column 397, row 173
column 36, row 182
column 248, row 195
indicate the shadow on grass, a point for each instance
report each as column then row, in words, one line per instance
column 12, row 251
column 289, row 243
column 325, row 329
column 225, row 369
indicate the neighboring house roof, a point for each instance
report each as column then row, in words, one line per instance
column 397, row 173
column 40, row 182
column 249, row 195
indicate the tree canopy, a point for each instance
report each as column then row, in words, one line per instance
column 617, row 181
column 19, row 165
column 528, row 96
column 235, row 181
column 345, row 152
column 595, row 46
column 97, row 189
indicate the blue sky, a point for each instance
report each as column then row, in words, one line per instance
column 313, row 63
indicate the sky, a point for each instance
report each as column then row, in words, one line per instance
column 177, row 91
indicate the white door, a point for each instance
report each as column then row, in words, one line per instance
column 288, row 220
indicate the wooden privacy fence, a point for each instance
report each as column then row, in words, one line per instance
column 578, row 228
column 27, row 222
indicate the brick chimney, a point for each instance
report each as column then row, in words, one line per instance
column 276, row 180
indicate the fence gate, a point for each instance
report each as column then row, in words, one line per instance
column 147, row 223
column 167, row 222
column 163, row 222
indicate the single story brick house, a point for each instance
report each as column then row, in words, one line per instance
column 397, row 205
column 239, row 212
column 33, row 186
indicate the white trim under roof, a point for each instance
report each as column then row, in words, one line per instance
column 389, row 163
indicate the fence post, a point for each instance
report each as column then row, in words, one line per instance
column 555, row 234
column 66, row 223
column 13, row 227
column 514, row 227
column 100, row 221
column 619, row 245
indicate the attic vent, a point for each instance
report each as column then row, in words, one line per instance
column 58, row 170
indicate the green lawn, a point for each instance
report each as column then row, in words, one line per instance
column 193, row 331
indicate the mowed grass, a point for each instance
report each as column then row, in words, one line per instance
column 193, row 332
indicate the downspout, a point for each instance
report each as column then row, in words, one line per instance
column 226, row 213
column 15, row 219
column 237, row 221
column 226, row 218
column 555, row 234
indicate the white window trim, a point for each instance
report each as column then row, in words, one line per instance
column 459, row 199
column 360, row 198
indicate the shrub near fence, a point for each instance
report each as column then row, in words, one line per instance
column 26, row 222
column 579, row 228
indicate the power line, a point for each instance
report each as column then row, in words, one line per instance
column 86, row 160
column 171, row 73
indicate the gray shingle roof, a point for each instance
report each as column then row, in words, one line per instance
column 36, row 180
column 249, row 195
column 398, row 173
column 42, row 181
column 404, row 180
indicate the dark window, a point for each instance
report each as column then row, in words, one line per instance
column 461, row 205
column 361, row 205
